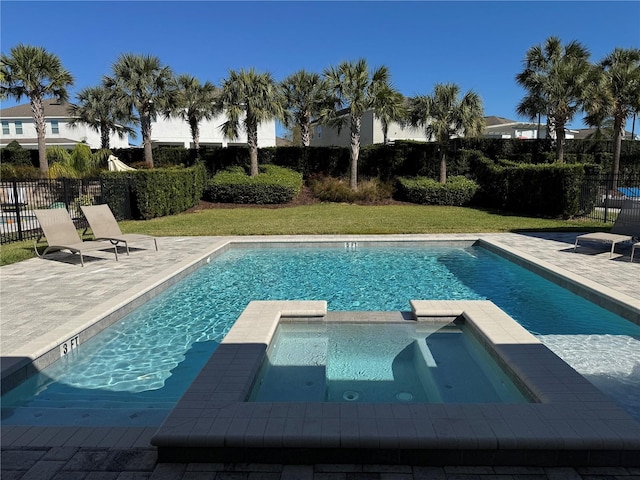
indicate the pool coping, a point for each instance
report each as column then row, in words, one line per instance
column 571, row 420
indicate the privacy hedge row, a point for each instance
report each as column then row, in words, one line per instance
column 272, row 185
column 154, row 193
column 402, row 159
column 423, row 190
column 550, row 189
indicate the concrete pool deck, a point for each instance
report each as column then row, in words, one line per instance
column 47, row 302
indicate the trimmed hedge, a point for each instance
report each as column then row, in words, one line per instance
column 426, row 191
column 272, row 185
column 155, row 192
column 547, row 189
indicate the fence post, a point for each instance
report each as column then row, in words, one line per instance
column 609, row 187
column 16, row 205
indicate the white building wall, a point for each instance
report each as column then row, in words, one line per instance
column 398, row 132
column 370, row 133
column 175, row 131
column 78, row 133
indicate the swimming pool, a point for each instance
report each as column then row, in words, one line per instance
column 134, row 372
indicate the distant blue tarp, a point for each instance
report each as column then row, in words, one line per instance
column 631, row 192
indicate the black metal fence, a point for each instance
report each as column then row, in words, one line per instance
column 601, row 196
column 18, row 199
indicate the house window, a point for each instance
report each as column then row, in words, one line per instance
column 54, row 126
column 5, row 128
column 18, row 127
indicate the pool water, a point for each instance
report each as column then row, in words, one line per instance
column 136, row 370
column 394, row 363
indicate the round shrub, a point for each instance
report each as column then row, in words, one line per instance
column 271, row 186
column 426, row 191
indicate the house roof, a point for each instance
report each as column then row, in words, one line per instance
column 494, row 121
column 52, row 108
column 283, row 142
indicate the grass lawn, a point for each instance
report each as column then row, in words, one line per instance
column 328, row 218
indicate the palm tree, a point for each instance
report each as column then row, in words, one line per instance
column 532, row 107
column 615, row 93
column 195, row 102
column 306, row 95
column 145, row 88
column 96, row 109
column 254, row 96
column 37, row 74
column 556, row 76
column 443, row 115
column 389, row 106
column 361, row 90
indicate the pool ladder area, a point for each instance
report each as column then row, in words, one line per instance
column 351, row 246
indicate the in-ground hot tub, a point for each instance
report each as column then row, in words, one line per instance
column 397, row 361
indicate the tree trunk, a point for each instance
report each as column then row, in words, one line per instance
column 252, row 142
column 195, row 134
column 355, row 151
column 560, row 142
column 443, row 165
column 305, row 128
column 145, row 128
column 104, row 136
column 618, row 129
column 40, row 123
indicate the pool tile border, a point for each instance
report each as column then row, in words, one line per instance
column 213, row 422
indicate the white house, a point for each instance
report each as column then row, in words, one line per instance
column 500, row 127
column 175, row 131
column 370, row 132
column 17, row 124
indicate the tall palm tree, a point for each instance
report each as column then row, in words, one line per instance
column 615, row 93
column 444, row 115
column 96, row 109
column 306, row 95
column 195, row 102
column 35, row 73
column 249, row 98
column 145, row 88
column 360, row 90
column 556, row 75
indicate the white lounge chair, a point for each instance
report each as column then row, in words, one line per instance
column 625, row 228
column 105, row 226
column 61, row 234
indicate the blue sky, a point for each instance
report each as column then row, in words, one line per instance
column 476, row 44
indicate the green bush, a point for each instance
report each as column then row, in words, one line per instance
column 426, row 191
column 154, row 192
column 331, row 189
column 14, row 154
column 545, row 189
column 271, row 186
column 19, row 172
